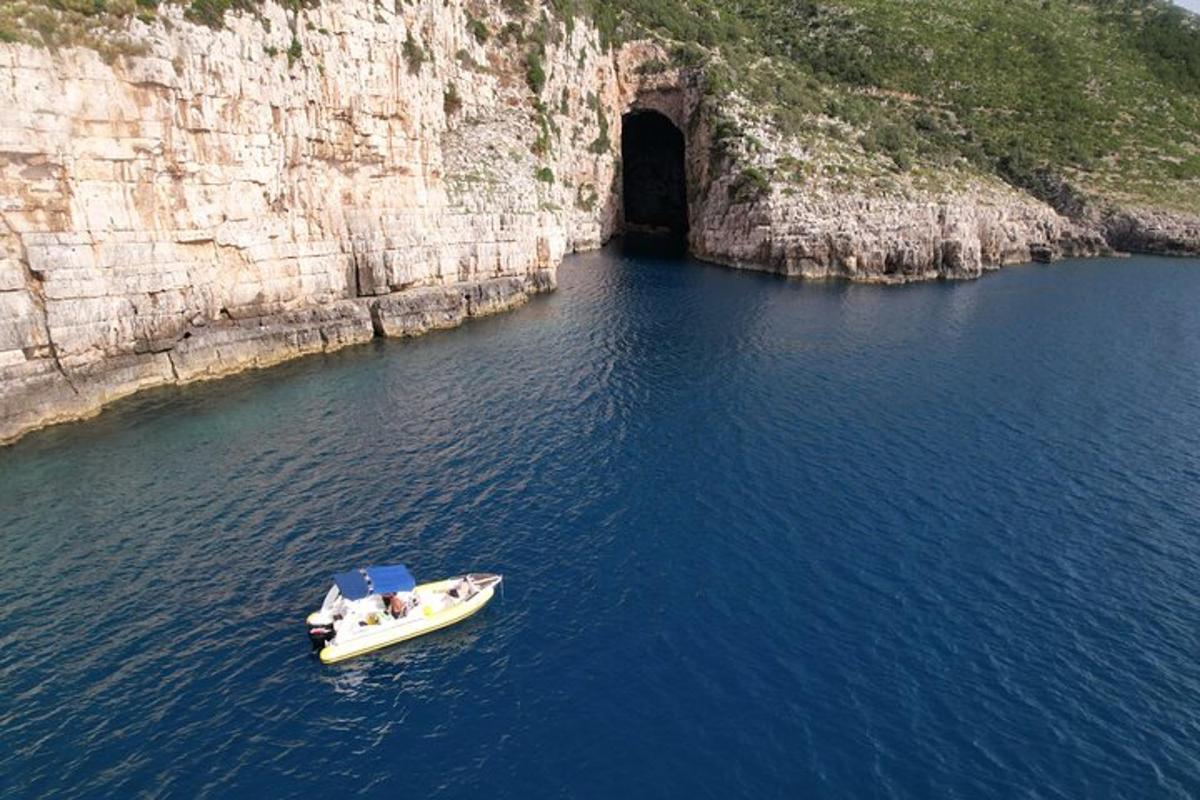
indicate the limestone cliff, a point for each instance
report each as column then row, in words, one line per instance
column 211, row 206
column 215, row 204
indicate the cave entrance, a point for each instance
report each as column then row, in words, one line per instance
column 653, row 184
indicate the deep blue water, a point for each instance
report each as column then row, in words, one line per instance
column 760, row 538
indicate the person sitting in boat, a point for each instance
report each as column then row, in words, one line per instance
column 395, row 605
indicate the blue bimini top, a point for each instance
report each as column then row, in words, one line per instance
column 359, row 583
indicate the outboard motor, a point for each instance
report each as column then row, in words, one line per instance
column 320, row 635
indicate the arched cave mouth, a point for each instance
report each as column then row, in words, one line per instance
column 653, row 183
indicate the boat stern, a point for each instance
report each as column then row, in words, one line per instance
column 320, row 635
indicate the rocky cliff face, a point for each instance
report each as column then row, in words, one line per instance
column 1143, row 230
column 892, row 238
column 216, row 204
column 821, row 214
column 809, row 208
column 211, row 206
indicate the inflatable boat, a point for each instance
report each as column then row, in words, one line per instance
column 375, row 607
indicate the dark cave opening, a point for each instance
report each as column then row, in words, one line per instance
column 653, row 183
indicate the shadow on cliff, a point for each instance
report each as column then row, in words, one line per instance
column 653, row 180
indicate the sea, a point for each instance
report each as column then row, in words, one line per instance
column 759, row 537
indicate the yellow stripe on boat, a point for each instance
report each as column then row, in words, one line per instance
column 431, row 622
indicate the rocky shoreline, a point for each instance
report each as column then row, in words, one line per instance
column 898, row 240
column 210, row 350
column 1152, row 232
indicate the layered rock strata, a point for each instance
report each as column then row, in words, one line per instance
column 212, row 205
column 892, row 239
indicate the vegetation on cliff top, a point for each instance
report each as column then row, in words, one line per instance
column 1104, row 93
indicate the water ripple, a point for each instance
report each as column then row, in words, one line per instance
column 760, row 538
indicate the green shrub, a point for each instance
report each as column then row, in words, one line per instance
column 749, row 186
column 793, row 169
column 87, row 7
column 413, row 54
column 1172, row 42
column 652, row 66
column 566, row 11
column 208, row 12
column 607, row 20
column 511, row 33
column 718, row 81
column 1017, row 166
column 116, row 8
column 725, row 136
column 295, row 51
column 467, row 60
column 892, row 140
column 478, row 29
column 688, row 54
column 541, row 145
column 602, row 144
column 539, row 34
column 535, row 73
column 545, row 175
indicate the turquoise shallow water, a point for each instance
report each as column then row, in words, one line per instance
column 760, row 538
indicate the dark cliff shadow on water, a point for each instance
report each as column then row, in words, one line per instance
column 655, row 246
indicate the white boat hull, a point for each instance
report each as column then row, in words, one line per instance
column 435, row 609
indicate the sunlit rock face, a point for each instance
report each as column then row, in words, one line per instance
column 211, row 207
